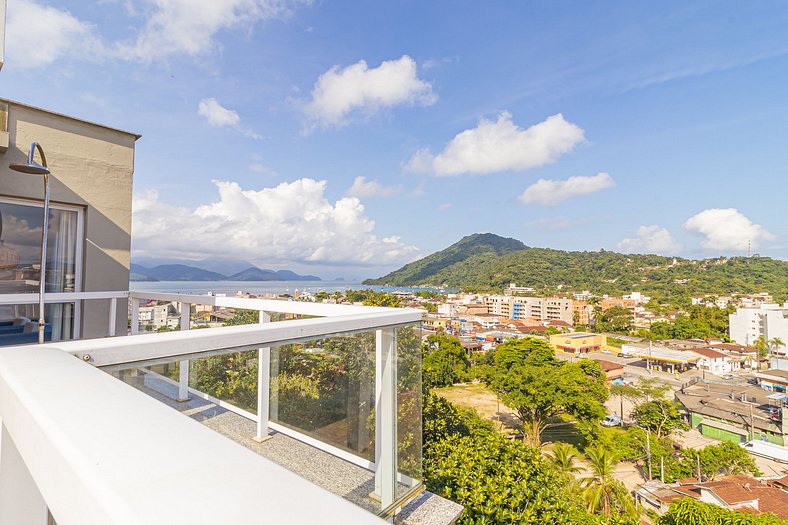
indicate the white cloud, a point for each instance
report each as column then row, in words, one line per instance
column 189, row 26
column 292, row 222
column 552, row 192
column 217, row 114
column 445, row 206
column 339, row 92
column 726, row 229
column 500, row 146
column 38, row 35
column 220, row 116
column 650, row 239
column 363, row 188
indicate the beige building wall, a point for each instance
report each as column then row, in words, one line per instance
column 92, row 167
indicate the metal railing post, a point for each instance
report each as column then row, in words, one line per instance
column 113, row 316
column 135, row 316
column 183, row 368
column 386, row 416
column 263, row 386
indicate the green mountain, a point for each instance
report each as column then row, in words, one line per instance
column 490, row 262
column 431, row 269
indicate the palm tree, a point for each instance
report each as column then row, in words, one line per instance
column 774, row 344
column 762, row 347
column 564, row 460
column 603, row 492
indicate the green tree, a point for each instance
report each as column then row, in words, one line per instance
column 603, row 493
column 723, row 459
column 564, row 460
column 499, row 482
column 689, row 511
column 615, row 319
column 532, row 381
column 661, row 416
column 242, row 316
column 444, row 361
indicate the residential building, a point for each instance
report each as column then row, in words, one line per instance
column 613, row 371
column 773, row 380
column 737, row 493
column 90, row 220
column 715, row 362
column 769, row 321
column 582, row 312
column 745, row 355
column 734, row 413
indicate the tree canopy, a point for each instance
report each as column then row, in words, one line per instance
column 538, row 386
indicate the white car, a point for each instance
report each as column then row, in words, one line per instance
column 612, row 421
column 729, row 376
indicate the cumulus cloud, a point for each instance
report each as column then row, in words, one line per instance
column 363, row 188
column 217, row 114
column 726, row 229
column 38, row 35
column 220, row 116
column 340, row 91
column 500, row 146
column 292, row 222
column 190, row 26
column 650, row 239
column 550, row 192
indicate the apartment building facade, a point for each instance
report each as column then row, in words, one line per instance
column 769, row 321
column 89, row 222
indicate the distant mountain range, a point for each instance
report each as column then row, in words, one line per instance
column 490, row 262
column 190, row 272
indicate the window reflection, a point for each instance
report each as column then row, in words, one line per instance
column 20, row 269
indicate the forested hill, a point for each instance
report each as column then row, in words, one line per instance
column 490, row 262
column 479, row 246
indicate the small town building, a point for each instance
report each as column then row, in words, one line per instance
column 612, row 370
column 715, row 362
column 579, row 343
column 773, row 380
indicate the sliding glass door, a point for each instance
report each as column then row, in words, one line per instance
column 20, row 269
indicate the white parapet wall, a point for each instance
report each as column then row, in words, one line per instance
column 94, row 450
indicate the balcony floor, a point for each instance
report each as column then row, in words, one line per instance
column 351, row 482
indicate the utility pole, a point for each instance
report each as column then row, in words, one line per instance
column 648, row 453
column 662, row 468
column 752, row 430
column 698, row 458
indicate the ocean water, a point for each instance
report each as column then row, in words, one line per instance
column 260, row 287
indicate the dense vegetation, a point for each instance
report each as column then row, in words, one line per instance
column 489, row 262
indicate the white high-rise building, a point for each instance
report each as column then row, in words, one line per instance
column 769, row 321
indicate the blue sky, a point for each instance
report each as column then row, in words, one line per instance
column 571, row 125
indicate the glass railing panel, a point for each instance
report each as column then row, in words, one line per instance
column 322, row 393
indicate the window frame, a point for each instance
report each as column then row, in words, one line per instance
column 79, row 249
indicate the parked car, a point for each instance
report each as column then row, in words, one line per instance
column 625, row 356
column 753, row 380
column 729, row 376
column 612, row 421
column 606, row 351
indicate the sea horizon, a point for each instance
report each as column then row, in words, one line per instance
column 263, row 287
